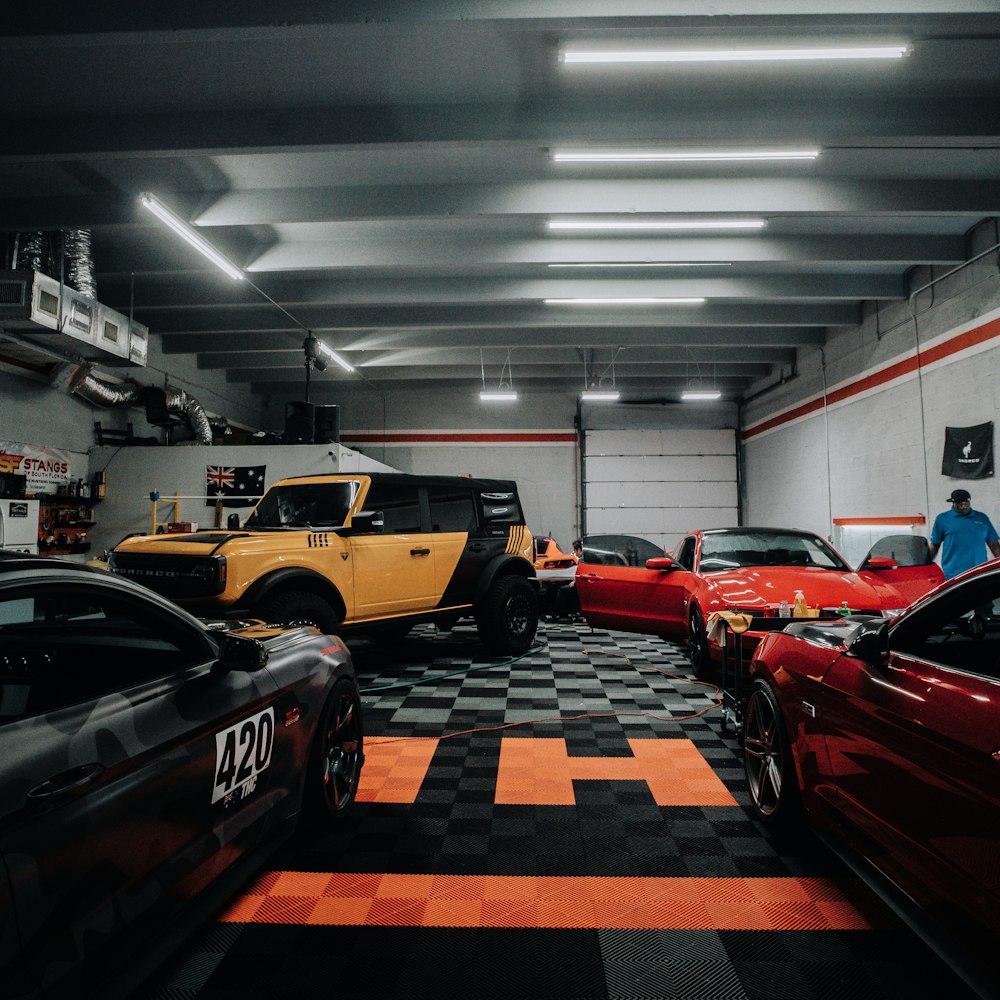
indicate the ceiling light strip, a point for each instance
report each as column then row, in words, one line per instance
column 646, row 300
column 179, row 226
column 790, row 54
column 651, row 225
column 600, row 396
column 682, row 156
column 645, row 263
column 330, row 353
column 690, row 395
column 488, row 396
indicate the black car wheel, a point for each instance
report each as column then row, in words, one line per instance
column 297, row 607
column 767, row 758
column 338, row 753
column 698, row 643
column 507, row 616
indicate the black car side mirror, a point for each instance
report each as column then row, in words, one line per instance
column 368, row 521
column 871, row 643
column 239, row 653
column 233, row 522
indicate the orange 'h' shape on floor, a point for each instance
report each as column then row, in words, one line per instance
column 540, row 772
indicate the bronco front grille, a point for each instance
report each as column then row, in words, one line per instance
column 172, row 575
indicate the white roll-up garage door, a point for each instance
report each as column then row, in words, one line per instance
column 659, row 484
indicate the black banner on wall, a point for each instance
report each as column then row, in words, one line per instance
column 968, row 452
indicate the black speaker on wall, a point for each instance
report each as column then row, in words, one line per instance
column 299, row 423
column 327, row 424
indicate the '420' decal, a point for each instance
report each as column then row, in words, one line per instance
column 241, row 753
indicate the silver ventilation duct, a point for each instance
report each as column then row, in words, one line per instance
column 79, row 262
column 164, row 406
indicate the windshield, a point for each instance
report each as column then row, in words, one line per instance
column 733, row 549
column 307, row 505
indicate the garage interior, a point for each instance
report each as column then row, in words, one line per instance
column 426, row 203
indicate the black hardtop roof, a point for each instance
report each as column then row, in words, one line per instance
column 406, row 478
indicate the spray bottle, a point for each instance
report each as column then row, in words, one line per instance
column 799, row 608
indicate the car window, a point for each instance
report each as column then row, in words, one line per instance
column 400, row 504
column 685, row 554
column 960, row 629
column 452, row 508
column 904, row 550
column 731, row 549
column 501, row 508
column 619, row 550
column 63, row 645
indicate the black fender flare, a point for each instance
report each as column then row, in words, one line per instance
column 504, row 564
column 293, row 578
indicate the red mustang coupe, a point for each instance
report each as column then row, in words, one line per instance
column 887, row 734
column 630, row 584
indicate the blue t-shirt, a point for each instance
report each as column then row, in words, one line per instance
column 963, row 539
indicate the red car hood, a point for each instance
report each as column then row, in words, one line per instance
column 768, row 586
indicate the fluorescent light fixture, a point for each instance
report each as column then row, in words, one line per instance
column 497, row 396
column 179, row 226
column 646, row 263
column 791, row 54
column 692, row 394
column 643, row 301
column 680, row 156
column 651, row 224
column 600, row 395
column 336, row 357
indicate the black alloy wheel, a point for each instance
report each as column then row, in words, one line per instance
column 767, row 758
column 339, row 753
column 698, row 643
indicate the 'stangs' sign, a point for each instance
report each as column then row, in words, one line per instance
column 45, row 469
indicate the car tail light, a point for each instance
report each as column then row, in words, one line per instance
column 558, row 564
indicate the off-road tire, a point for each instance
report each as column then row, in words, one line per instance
column 298, row 607
column 507, row 616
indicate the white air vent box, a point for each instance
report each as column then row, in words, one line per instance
column 28, row 300
column 38, row 309
column 138, row 344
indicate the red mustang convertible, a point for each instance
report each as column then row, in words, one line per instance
column 630, row 584
column 887, row 735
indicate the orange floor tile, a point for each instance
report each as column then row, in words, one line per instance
column 638, row 903
column 395, row 768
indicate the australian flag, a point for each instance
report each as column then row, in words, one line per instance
column 968, row 452
column 237, row 485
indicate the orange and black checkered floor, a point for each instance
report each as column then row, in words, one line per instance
column 570, row 824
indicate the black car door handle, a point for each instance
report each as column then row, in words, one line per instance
column 477, row 548
column 420, row 552
column 68, row 783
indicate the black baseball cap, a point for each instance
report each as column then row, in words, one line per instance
column 959, row 496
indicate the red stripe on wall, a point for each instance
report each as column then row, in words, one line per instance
column 961, row 342
column 465, row 437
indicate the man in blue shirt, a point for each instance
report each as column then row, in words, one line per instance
column 960, row 533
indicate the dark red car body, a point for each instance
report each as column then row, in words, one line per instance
column 887, row 734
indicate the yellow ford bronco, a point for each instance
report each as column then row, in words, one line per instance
column 373, row 551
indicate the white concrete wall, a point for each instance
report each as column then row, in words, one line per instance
column 875, row 450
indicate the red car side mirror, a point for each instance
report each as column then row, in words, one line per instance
column 662, row 563
column 880, row 562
